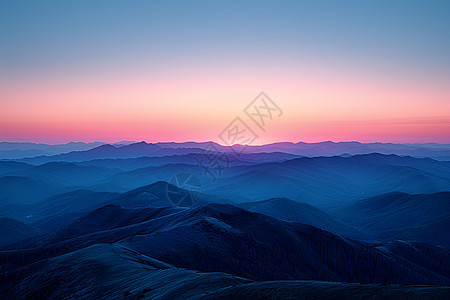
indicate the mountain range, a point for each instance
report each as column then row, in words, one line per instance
column 87, row 151
column 281, row 220
column 225, row 238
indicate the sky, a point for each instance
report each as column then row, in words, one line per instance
column 369, row 71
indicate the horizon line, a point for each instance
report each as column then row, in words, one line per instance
column 211, row 141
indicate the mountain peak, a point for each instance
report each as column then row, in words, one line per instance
column 104, row 147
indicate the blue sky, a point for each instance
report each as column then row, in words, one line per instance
column 403, row 42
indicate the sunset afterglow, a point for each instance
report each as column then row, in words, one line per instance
column 359, row 75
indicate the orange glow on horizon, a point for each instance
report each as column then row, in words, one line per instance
column 316, row 107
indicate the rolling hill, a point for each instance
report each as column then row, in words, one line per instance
column 323, row 182
column 19, row 190
column 67, row 174
column 333, row 181
column 163, row 194
column 57, row 211
column 422, row 217
column 228, row 239
column 12, row 231
column 7, row 167
column 292, row 211
column 119, row 272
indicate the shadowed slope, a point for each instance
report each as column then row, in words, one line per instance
column 228, row 239
column 292, row 211
column 423, row 217
column 12, row 231
column 120, row 273
column 106, row 271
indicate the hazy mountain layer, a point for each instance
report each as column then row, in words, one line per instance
column 82, row 151
column 12, row 231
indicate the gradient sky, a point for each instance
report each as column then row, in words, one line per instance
column 183, row 70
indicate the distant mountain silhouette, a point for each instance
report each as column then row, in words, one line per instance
column 103, row 151
column 15, row 150
column 323, row 181
column 128, row 150
column 129, row 164
column 331, row 149
column 142, row 176
column 67, row 174
column 332, row 181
